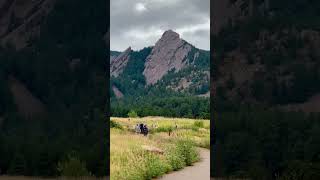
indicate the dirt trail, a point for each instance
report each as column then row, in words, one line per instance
column 200, row 170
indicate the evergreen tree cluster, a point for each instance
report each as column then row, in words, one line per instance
column 162, row 99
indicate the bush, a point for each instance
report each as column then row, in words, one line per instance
column 175, row 158
column 204, row 144
column 73, row 167
column 188, row 150
column 115, row 125
column 132, row 114
column 154, row 166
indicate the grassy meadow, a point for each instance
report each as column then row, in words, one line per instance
column 136, row 157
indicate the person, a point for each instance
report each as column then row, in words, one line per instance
column 137, row 129
column 145, row 130
column 141, row 128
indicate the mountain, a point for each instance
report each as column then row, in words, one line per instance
column 267, row 53
column 170, row 78
column 119, row 62
column 172, row 63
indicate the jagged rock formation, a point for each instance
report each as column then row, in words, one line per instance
column 170, row 52
column 172, row 64
column 118, row 64
column 20, row 20
column 113, row 55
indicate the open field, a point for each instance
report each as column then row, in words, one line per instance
column 135, row 157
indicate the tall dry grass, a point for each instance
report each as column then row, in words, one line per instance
column 130, row 161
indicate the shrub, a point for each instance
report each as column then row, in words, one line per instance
column 154, row 166
column 115, row 125
column 204, row 143
column 73, row 167
column 132, row 114
column 188, row 150
column 175, row 158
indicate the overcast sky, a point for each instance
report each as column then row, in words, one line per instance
column 140, row 23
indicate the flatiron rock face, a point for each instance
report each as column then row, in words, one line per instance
column 118, row 64
column 169, row 53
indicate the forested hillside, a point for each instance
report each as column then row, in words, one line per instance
column 266, row 64
column 53, row 92
column 168, row 79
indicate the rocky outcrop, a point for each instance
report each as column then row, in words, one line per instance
column 169, row 53
column 117, row 92
column 20, row 20
column 118, row 64
column 173, row 61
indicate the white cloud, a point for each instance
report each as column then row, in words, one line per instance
column 140, row 23
column 194, row 28
column 140, row 7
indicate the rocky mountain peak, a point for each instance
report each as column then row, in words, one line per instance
column 170, row 52
column 170, row 34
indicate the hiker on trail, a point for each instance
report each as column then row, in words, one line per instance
column 170, row 131
column 145, row 130
column 137, row 129
column 141, row 128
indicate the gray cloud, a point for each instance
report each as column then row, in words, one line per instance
column 140, row 23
